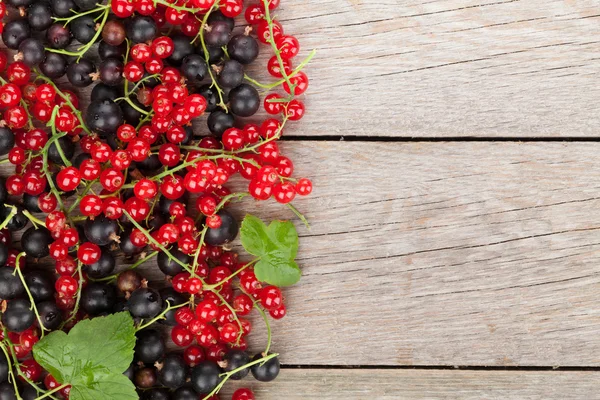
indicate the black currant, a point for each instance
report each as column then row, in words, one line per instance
column 205, row 377
column 63, row 8
column 32, row 50
column 217, row 34
column 80, row 73
column 244, row 100
column 19, row 3
column 101, row 230
column 54, row 65
column 29, row 393
column 141, row 29
column 86, row 5
column 3, row 367
column 66, row 146
column 231, row 75
column 41, row 285
column 219, row 121
column 130, row 372
column 194, row 67
column 164, row 204
column 103, row 267
column 182, row 47
column 15, row 32
column 103, row 92
column 145, row 303
column 156, row 394
column 185, row 393
column 105, row 50
column 150, row 164
column 84, row 29
column 113, row 33
column 7, row 391
column 267, row 371
column 128, row 281
column 111, row 71
column 18, row 315
column 3, row 254
column 104, row 116
column 35, row 242
column 169, row 266
column 130, row 114
column 30, row 203
column 215, row 54
column 80, row 159
column 170, row 296
column 219, row 16
column 236, row 359
column 17, row 222
column 226, row 233
column 98, row 298
column 243, row 48
column 58, row 36
column 7, row 140
column 11, row 286
column 173, row 371
column 211, row 96
column 39, row 16
column 149, row 346
column 127, row 246
column 50, row 314
column 145, row 378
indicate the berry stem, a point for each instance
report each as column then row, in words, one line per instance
column 230, row 277
column 11, row 374
column 13, row 211
column 69, row 19
column 274, row 46
column 51, row 392
column 299, row 215
column 87, row 188
column 78, row 298
column 31, row 299
column 34, row 220
column 161, row 315
column 132, row 266
column 235, row 317
column 283, row 80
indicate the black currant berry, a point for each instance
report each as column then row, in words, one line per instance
column 18, row 315
column 111, row 71
column 29, row 393
column 170, row 296
column 15, row 32
column 182, row 47
column 63, row 8
column 3, row 367
column 215, row 54
column 98, row 298
column 80, row 73
column 156, row 394
column 7, row 391
column 219, row 121
column 39, row 16
column 130, row 114
column 170, row 267
column 86, row 5
column 17, row 222
column 145, row 303
column 226, row 233
column 145, row 378
column 58, row 36
column 185, row 393
column 30, row 203
column 80, row 159
column 50, row 314
column 105, row 50
column 127, row 246
column 7, row 140
column 103, row 92
column 173, row 371
column 128, row 281
column 217, row 34
column 104, row 116
column 32, row 50
column 3, row 254
column 150, row 164
column 66, row 146
column 101, row 230
column 219, row 16
column 141, row 29
column 41, row 285
column 231, row 75
column 35, row 242
column 265, row 372
column 54, row 65
column 11, row 286
column 211, row 96
column 205, row 377
column 130, row 372
column 113, row 33
column 164, row 204
column 244, row 100
column 84, row 29
column 149, row 346
column 243, row 48
column 103, row 267
column 194, row 67
column 19, row 3
column 236, row 359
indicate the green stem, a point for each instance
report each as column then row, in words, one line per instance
column 34, row 220
column 50, row 393
column 78, row 299
column 12, row 213
column 283, row 80
column 69, row 19
column 31, row 299
column 274, row 46
column 230, row 277
column 299, row 215
column 11, row 374
column 235, row 317
column 161, row 315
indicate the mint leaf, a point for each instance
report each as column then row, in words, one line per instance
column 92, row 357
column 116, row 387
column 276, row 245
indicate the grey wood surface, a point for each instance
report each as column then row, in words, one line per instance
column 424, row 385
column 447, row 68
column 456, row 254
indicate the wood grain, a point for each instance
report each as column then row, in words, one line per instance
column 447, row 68
column 423, row 384
column 453, row 254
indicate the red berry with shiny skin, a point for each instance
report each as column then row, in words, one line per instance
column 88, row 253
column 66, row 286
column 304, row 187
column 271, row 297
column 68, row 179
column 243, row 394
column 145, row 189
column 181, row 336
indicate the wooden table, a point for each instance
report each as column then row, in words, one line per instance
column 455, row 236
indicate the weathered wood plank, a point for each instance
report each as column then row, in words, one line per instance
column 449, row 67
column 424, row 384
column 453, row 254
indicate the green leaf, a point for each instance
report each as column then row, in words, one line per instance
column 116, row 387
column 91, row 357
column 276, row 245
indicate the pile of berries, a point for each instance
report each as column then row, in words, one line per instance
column 128, row 178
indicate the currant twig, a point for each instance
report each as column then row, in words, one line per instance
column 161, row 315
